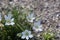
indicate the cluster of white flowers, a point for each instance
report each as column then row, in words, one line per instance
column 26, row 34
column 8, row 18
column 37, row 27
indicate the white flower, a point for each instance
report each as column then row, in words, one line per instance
column 37, row 26
column 0, row 17
column 30, row 17
column 26, row 34
column 9, row 19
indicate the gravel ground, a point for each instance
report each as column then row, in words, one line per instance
column 47, row 10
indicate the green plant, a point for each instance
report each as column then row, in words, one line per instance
column 9, row 32
column 48, row 36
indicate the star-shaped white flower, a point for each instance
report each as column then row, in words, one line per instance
column 26, row 34
column 37, row 26
column 0, row 17
column 9, row 19
column 30, row 17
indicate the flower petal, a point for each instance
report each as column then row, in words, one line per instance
column 30, row 20
column 23, row 33
column 12, row 23
column 37, row 30
column 6, row 18
column 23, row 37
column 7, row 23
column 27, row 37
column 10, row 15
column 12, row 19
column 29, row 32
column 30, row 36
column 40, row 29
